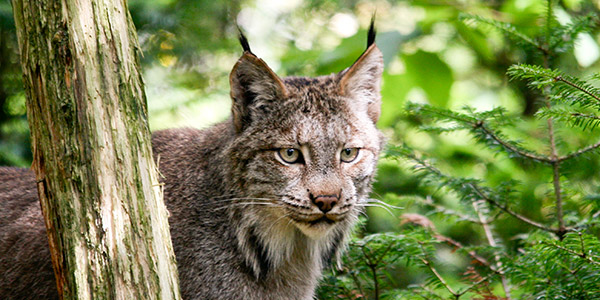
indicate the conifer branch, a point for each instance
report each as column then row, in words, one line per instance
column 444, row 210
column 564, row 88
column 434, row 271
column 586, row 119
column 580, row 152
column 510, row 212
column 505, row 28
column 560, row 232
column 458, row 245
column 492, row 242
column 357, row 282
column 375, row 280
column 556, row 181
column 473, row 285
column 565, row 35
column 373, row 263
column 509, row 147
column 580, row 255
column 480, row 193
column 583, row 89
column 583, row 120
column 476, row 123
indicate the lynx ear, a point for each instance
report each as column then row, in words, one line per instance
column 253, row 86
column 362, row 80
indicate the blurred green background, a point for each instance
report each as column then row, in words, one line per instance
column 430, row 57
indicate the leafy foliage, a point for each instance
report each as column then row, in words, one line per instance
column 362, row 278
column 14, row 135
column 506, row 28
column 551, row 269
column 549, row 255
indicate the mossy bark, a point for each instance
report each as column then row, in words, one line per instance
column 97, row 181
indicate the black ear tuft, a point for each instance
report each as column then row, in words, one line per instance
column 244, row 41
column 372, row 32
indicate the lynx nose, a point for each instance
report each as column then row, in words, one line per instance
column 325, row 202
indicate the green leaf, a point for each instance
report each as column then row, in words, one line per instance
column 433, row 75
column 393, row 95
column 506, row 28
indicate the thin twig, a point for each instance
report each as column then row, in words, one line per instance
column 389, row 247
column 483, row 196
column 471, row 253
column 512, row 148
column 373, row 266
column 375, row 280
column 582, row 243
column 358, row 284
column 356, row 280
column 579, row 152
column 478, row 282
column 436, row 273
column 492, row 242
column 444, row 210
column 562, row 79
column 556, row 177
column 581, row 255
column 510, row 212
column 559, row 203
column 554, row 155
column 374, row 269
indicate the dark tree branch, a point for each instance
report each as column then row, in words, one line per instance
column 579, row 152
column 580, row 255
column 512, row 213
column 427, row 263
column 569, row 83
column 512, row 148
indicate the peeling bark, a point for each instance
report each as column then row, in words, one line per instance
column 97, row 182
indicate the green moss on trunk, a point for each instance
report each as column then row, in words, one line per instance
column 97, row 181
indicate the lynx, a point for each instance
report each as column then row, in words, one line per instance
column 259, row 204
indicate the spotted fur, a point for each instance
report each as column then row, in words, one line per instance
column 244, row 224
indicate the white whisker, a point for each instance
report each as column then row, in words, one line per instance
column 363, row 213
column 244, row 198
column 377, row 205
column 373, row 200
column 249, row 204
column 277, row 220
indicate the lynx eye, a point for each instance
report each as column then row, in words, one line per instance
column 290, row 155
column 349, row 154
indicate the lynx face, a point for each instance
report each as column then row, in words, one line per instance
column 329, row 180
column 306, row 148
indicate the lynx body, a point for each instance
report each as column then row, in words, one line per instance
column 258, row 204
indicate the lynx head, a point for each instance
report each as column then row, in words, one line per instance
column 306, row 148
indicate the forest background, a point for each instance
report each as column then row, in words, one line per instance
column 439, row 233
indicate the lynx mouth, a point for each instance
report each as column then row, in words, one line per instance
column 322, row 220
column 309, row 218
column 317, row 226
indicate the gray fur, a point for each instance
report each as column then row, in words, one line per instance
column 242, row 221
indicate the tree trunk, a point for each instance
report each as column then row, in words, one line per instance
column 97, row 182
